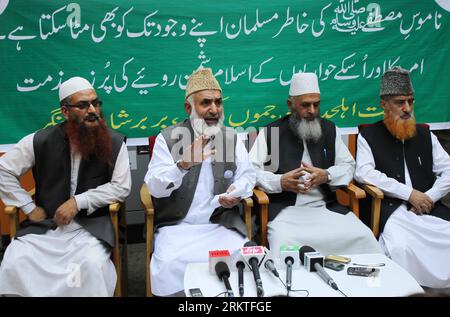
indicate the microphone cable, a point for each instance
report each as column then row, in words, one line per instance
column 342, row 293
column 294, row 290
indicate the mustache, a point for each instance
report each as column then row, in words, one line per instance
column 211, row 117
column 405, row 115
column 90, row 140
column 298, row 118
column 91, row 117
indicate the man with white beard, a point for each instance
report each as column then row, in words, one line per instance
column 407, row 163
column 313, row 163
column 198, row 174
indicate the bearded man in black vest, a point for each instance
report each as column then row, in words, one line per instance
column 198, row 174
column 407, row 162
column 79, row 166
column 300, row 161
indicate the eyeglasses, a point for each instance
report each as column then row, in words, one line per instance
column 83, row 105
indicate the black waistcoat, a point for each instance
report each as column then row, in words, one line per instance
column 290, row 151
column 52, row 173
column 390, row 155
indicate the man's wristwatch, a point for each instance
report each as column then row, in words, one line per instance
column 328, row 177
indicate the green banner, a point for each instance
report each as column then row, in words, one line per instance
column 138, row 55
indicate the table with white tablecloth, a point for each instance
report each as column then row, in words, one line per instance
column 392, row 280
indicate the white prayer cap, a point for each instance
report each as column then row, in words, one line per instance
column 73, row 85
column 304, row 83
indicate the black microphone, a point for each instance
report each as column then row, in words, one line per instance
column 240, row 266
column 313, row 263
column 223, row 272
column 252, row 258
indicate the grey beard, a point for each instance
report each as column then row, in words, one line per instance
column 304, row 129
column 201, row 127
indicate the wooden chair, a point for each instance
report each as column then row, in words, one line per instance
column 375, row 211
column 120, row 262
column 146, row 200
column 376, row 194
column 262, row 200
column 373, row 191
column 348, row 196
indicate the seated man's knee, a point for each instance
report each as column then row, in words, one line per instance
column 92, row 262
column 14, row 260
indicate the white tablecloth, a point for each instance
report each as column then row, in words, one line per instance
column 391, row 281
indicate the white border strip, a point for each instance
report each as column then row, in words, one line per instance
column 137, row 141
column 439, row 125
column 343, row 131
column 433, row 126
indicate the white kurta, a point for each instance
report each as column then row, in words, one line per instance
column 68, row 261
column 190, row 240
column 309, row 222
column 420, row 244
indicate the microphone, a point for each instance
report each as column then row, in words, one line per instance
column 289, row 261
column 313, row 261
column 287, row 256
column 238, row 264
column 241, row 266
column 216, row 256
column 223, row 273
column 324, row 275
column 309, row 257
column 269, row 263
column 253, row 255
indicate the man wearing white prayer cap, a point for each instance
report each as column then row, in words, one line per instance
column 308, row 162
column 196, row 198
column 80, row 166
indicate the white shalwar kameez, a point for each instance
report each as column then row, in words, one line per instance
column 309, row 222
column 190, row 240
column 67, row 261
column 418, row 243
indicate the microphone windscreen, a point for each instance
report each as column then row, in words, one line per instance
column 240, row 265
column 216, row 256
column 250, row 244
column 251, row 251
column 290, row 252
column 222, row 270
column 305, row 249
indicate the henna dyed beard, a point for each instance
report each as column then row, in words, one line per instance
column 90, row 141
column 402, row 129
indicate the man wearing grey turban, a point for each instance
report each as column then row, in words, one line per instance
column 407, row 163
